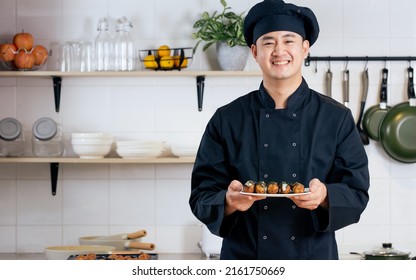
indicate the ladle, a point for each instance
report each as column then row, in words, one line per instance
column 363, row 135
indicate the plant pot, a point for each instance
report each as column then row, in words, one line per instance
column 232, row 58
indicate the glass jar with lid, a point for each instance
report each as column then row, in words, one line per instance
column 12, row 140
column 47, row 138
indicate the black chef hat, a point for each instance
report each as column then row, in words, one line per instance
column 276, row 15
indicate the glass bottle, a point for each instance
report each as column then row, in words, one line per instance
column 103, row 47
column 12, row 140
column 124, row 47
column 47, row 138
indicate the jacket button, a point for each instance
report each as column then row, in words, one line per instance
column 294, row 115
column 292, row 238
column 264, row 237
column 266, row 145
column 265, row 207
column 293, row 206
column 266, row 176
column 294, row 175
column 267, row 115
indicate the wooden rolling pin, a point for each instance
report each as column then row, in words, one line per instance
column 139, row 245
column 132, row 235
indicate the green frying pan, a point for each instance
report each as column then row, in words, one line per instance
column 398, row 128
column 374, row 115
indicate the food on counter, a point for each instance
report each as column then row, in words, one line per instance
column 273, row 187
column 298, row 188
column 93, row 256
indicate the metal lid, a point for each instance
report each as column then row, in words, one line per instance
column 45, row 128
column 387, row 250
column 10, row 129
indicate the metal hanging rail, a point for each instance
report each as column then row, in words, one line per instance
column 358, row 58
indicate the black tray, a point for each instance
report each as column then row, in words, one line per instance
column 153, row 256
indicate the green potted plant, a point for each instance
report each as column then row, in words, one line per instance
column 225, row 29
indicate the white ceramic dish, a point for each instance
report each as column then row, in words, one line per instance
column 91, row 151
column 277, row 195
column 138, row 154
column 91, row 141
column 93, row 135
column 63, row 252
column 184, row 152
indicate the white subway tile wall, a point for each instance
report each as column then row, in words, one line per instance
column 103, row 199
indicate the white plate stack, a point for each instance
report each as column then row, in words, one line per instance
column 184, row 150
column 93, row 145
column 139, row 149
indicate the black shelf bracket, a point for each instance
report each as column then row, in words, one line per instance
column 57, row 82
column 54, row 167
column 200, row 83
column 309, row 59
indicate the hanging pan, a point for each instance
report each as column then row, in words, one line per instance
column 398, row 128
column 375, row 114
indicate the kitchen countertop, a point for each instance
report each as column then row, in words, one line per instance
column 162, row 256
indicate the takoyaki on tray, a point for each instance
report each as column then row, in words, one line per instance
column 114, row 256
column 274, row 189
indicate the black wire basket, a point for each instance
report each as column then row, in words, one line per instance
column 166, row 59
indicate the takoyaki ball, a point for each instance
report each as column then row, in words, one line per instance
column 284, row 188
column 260, row 187
column 272, row 188
column 298, row 187
column 249, row 186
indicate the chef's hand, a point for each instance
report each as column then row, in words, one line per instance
column 235, row 201
column 317, row 197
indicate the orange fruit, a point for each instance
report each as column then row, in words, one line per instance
column 150, row 62
column 163, row 50
column 177, row 59
column 166, row 62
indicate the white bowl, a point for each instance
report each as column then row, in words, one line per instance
column 139, row 144
column 138, row 153
column 93, row 135
column 91, row 141
column 64, row 252
column 184, row 152
column 91, row 151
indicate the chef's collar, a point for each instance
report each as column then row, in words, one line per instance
column 294, row 100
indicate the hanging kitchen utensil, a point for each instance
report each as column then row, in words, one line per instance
column 328, row 82
column 346, row 87
column 124, row 236
column 374, row 115
column 364, row 80
column 398, row 128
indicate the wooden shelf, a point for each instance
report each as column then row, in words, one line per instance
column 54, row 163
column 58, row 75
column 160, row 160
column 160, row 73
